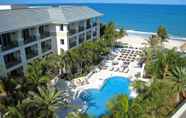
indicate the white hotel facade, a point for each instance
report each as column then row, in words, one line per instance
column 30, row 33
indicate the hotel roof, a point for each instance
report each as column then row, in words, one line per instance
column 22, row 18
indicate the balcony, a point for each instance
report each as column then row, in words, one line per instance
column 81, row 28
column 71, row 32
column 95, row 34
column 72, row 42
column 10, row 45
column 88, row 22
column 44, row 35
column 17, row 72
column 88, row 37
column 94, row 24
column 46, row 46
column 8, row 41
column 81, row 39
column 31, row 54
column 12, row 59
column 31, row 51
column 88, row 26
column 29, row 39
column 12, row 63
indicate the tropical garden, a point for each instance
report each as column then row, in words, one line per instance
column 32, row 96
column 166, row 68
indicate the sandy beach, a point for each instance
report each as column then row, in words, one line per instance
column 140, row 41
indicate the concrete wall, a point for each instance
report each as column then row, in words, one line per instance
column 62, row 35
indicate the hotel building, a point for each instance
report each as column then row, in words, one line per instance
column 30, row 33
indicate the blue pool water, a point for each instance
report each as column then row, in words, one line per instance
column 97, row 99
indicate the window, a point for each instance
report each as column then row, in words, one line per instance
column 62, row 41
column 29, row 35
column 44, row 31
column 88, row 35
column 17, row 72
column 61, row 27
column 26, row 33
column 81, row 38
column 88, row 23
column 31, row 51
column 72, row 42
column 8, row 40
column 81, row 26
column 46, row 45
column 0, row 40
column 41, row 29
column 94, row 22
column 12, row 59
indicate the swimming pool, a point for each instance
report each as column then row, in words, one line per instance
column 97, row 99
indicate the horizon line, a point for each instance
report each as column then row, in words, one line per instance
column 8, row 3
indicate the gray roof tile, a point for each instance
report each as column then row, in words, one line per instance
column 22, row 18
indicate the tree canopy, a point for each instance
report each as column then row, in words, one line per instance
column 162, row 33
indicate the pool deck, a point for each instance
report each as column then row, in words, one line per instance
column 97, row 80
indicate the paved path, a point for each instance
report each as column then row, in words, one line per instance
column 183, row 115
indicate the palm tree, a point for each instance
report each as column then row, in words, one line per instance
column 110, row 31
column 14, row 90
column 45, row 102
column 102, row 47
column 162, row 65
column 179, row 75
column 121, row 33
column 161, row 62
column 77, row 60
column 121, row 107
column 154, row 41
column 139, row 85
column 77, row 115
column 36, row 74
column 135, row 109
column 148, row 57
column 156, row 99
column 118, row 106
column 2, row 87
column 3, row 94
column 69, row 61
column 55, row 64
column 162, row 33
column 14, row 112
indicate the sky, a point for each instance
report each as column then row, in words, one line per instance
column 181, row 2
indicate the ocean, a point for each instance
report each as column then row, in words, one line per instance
column 144, row 19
